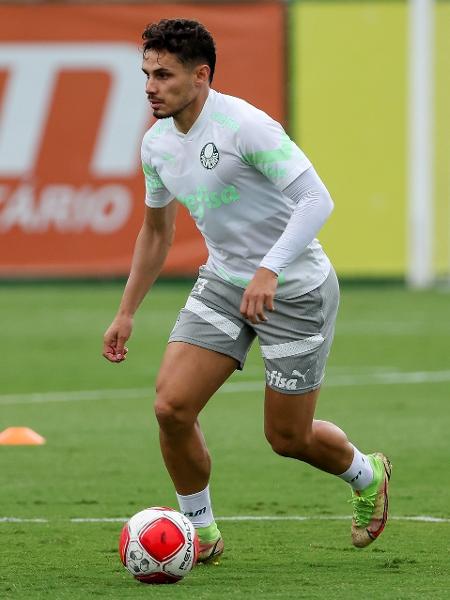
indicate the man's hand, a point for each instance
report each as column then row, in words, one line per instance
column 114, row 340
column 258, row 295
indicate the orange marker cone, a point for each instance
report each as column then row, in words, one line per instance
column 20, row 436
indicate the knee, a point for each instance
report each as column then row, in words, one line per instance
column 290, row 443
column 171, row 411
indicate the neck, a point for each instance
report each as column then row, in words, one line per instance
column 187, row 117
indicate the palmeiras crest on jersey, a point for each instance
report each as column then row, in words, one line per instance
column 209, row 156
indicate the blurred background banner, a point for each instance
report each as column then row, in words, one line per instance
column 362, row 86
column 72, row 115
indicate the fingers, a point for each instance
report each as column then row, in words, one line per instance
column 115, row 338
column 257, row 314
column 120, row 348
column 114, row 348
column 270, row 304
column 252, row 307
column 122, row 355
column 243, row 307
column 111, row 354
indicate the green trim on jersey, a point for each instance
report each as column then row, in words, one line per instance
column 284, row 152
column 240, row 281
column 159, row 128
column 225, row 121
column 153, row 181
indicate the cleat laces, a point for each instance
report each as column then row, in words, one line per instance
column 363, row 507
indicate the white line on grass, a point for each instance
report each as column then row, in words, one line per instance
column 238, row 518
column 19, row 520
column 389, row 378
column 75, row 396
column 344, row 380
column 390, row 328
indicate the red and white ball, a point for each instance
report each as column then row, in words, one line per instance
column 158, row 545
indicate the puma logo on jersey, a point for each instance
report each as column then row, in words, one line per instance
column 209, row 156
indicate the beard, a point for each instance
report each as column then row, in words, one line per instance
column 159, row 116
column 168, row 115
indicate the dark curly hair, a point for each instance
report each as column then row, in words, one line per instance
column 190, row 41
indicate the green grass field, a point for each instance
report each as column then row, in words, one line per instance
column 388, row 387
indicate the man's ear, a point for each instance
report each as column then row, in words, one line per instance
column 202, row 73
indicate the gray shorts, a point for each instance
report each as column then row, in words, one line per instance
column 295, row 341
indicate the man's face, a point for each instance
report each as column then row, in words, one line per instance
column 171, row 86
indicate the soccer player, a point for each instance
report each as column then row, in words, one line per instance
column 259, row 204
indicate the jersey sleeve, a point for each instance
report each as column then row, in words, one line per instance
column 156, row 194
column 264, row 145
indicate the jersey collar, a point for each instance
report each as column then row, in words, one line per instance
column 200, row 120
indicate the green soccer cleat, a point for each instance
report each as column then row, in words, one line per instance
column 370, row 506
column 210, row 552
column 210, row 544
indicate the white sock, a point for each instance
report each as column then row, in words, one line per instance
column 360, row 473
column 197, row 508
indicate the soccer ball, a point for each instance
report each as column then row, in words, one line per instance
column 158, row 545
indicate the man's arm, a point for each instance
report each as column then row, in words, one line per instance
column 313, row 207
column 150, row 251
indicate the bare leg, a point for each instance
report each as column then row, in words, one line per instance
column 292, row 431
column 188, row 377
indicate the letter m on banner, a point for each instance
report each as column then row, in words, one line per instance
column 33, row 70
column 73, row 111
